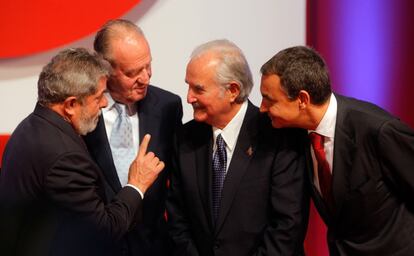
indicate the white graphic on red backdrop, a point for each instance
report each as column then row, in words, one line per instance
column 29, row 27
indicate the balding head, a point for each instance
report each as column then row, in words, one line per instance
column 123, row 44
column 115, row 30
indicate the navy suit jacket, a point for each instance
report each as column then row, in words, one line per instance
column 52, row 200
column 373, row 183
column 159, row 114
column 264, row 208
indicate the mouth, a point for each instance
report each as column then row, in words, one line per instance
column 272, row 119
column 196, row 106
column 141, row 88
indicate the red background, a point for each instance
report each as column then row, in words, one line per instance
column 35, row 26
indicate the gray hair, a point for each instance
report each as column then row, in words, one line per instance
column 232, row 67
column 110, row 30
column 72, row 72
column 300, row 68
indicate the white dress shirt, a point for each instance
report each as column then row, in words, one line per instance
column 110, row 114
column 326, row 128
column 230, row 133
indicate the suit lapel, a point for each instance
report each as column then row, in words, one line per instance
column 203, row 165
column 246, row 143
column 149, row 123
column 344, row 148
column 148, row 115
column 101, row 151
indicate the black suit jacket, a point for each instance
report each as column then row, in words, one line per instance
column 51, row 193
column 373, row 183
column 265, row 205
column 159, row 113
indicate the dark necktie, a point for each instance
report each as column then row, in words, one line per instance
column 219, row 173
column 324, row 173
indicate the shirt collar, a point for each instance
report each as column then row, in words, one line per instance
column 327, row 125
column 111, row 103
column 111, row 106
column 230, row 133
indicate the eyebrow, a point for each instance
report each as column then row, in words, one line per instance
column 199, row 86
column 100, row 93
column 196, row 86
column 132, row 71
column 264, row 95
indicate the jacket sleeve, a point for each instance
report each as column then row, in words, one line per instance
column 289, row 199
column 396, row 155
column 178, row 221
column 73, row 182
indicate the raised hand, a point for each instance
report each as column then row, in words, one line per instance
column 145, row 168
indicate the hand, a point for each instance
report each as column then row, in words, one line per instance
column 145, row 168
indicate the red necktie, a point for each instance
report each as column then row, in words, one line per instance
column 324, row 174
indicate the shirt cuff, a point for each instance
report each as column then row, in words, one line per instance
column 137, row 189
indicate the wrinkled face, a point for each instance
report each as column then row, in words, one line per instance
column 131, row 69
column 283, row 111
column 90, row 109
column 212, row 103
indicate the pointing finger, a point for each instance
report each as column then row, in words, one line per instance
column 144, row 146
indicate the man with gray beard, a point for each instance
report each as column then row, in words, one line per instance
column 51, row 191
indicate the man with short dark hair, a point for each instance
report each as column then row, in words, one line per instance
column 360, row 157
column 52, row 198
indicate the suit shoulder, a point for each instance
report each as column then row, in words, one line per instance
column 193, row 125
column 37, row 132
column 36, row 142
column 163, row 94
column 193, row 129
column 362, row 107
column 361, row 113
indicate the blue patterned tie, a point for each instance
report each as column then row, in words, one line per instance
column 219, row 173
column 122, row 145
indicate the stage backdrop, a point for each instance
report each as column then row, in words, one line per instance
column 173, row 29
column 368, row 46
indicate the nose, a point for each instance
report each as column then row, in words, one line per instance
column 190, row 97
column 144, row 76
column 263, row 108
column 104, row 102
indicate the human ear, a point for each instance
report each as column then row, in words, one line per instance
column 69, row 106
column 234, row 89
column 304, row 99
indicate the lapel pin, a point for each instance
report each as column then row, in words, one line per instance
column 249, row 151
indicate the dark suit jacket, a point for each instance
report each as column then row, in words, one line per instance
column 51, row 193
column 265, row 205
column 373, row 183
column 159, row 113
